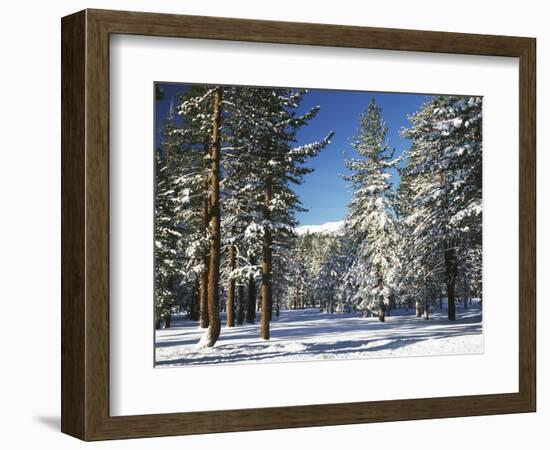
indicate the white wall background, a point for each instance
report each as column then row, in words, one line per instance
column 30, row 225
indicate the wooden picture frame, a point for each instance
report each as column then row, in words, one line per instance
column 85, row 224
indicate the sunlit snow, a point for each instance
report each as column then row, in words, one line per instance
column 308, row 335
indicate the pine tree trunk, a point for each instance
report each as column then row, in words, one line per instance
column 298, row 289
column 382, row 313
column 426, row 310
column 203, row 296
column 379, row 284
column 278, row 307
column 251, row 307
column 215, row 231
column 158, row 322
column 203, row 281
column 266, row 266
column 418, row 308
column 240, row 304
column 167, row 320
column 450, row 277
column 231, row 289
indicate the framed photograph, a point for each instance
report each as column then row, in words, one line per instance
column 273, row 225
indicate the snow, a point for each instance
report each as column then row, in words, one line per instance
column 308, row 335
column 325, row 228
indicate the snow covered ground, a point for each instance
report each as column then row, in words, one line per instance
column 306, row 335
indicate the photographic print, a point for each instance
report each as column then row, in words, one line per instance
column 298, row 224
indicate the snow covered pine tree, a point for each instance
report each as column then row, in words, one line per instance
column 445, row 175
column 371, row 220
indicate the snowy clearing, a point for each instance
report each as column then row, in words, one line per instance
column 309, row 335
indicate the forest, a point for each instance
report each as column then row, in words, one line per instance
column 229, row 251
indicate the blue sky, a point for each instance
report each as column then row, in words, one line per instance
column 324, row 193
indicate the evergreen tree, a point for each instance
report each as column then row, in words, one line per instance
column 371, row 220
column 445, row 171
column 277, row 165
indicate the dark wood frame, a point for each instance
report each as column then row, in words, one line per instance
column 85, row 224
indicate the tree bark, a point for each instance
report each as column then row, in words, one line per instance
column 215, row 231
column 203, row 289
column 167, row 319
column 203, row 297
column 251, row 307
column 450, row 277
column 240, row 304
column 231, row 289
column 382, row 312
column 266, row 266
column 158, row 322
column 418, row 308
column 379, row 284
column 298, row 290
column 426, row 310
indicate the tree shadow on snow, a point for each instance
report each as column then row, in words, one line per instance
column 275, row 349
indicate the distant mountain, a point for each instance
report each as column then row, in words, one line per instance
column 325, row 228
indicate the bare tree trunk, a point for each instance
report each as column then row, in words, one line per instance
column 215, row 231
column 203, row 297
column 379, row 284
column 203, row 281
column 298, row 290
column 426, row 310
column 251, row 307
column 266, row 266
column 450, row 277
column 240, row 304
column 158, row 322
column 231, row 289
column 167, row 319
column 382, row 312
column 418, row 308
